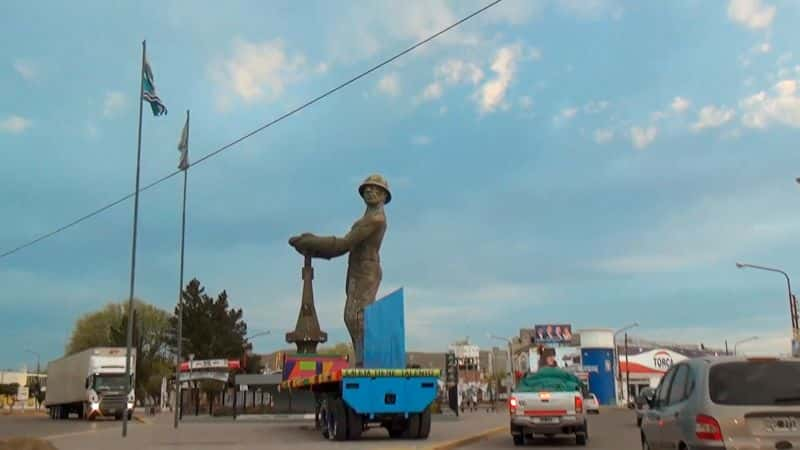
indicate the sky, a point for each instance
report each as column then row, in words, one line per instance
column 591, row 162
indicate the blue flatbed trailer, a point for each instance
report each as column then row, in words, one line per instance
column 349, row 401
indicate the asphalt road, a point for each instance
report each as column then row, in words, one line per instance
column 225, row 434
column 612, row 429
column 43, row 427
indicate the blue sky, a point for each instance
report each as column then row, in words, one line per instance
column 594, row 162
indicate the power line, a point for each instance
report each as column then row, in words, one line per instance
column 257, row 130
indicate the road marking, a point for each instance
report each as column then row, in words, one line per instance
column 455, row 443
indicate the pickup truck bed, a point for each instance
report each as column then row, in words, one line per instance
column 547, row 413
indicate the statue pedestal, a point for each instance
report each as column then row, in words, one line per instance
column 307, row 333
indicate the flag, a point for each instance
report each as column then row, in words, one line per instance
column 183, row 145
column 149, row 91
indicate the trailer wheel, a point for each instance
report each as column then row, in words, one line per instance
column 323, row 418
column 354, row 424
column 411, row 430
column 425, row 423
column 337, row 420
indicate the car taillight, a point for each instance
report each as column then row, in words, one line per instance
column 578, row 404
column 707, row 428
column 512, row 405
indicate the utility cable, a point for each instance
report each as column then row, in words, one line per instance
column 257, row 130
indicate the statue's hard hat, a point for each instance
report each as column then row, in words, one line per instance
column 376, row 180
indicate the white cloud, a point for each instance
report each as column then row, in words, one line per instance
column 25, row 69
column 322, row 67
column 14, row 124
column 421, row 140
column 595, row 107
column 432, row 91
column 535, row 54
column 568, row 113
column 443, row 110
column 712, row 117
column 754, row 14
column 761, row 109
column 680, row 104
column 603, row 136
column 257, row 70
column 643, row 137
column 113, row 103
column 526, row 102
column 765, row 47
column 492, row 93
column 389, row 84
column 455, row 71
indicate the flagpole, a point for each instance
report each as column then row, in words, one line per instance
column 128, row 378
column 178, row 403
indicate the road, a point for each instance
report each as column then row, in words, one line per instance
column 612, row 429
column 225, row 434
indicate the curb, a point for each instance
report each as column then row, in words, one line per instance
column 455, row 443
column 276, row 417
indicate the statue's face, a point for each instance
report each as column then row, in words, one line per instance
column 373, row 195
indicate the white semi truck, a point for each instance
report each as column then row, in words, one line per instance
column 91, row 384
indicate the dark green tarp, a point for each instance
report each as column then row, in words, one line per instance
column 551, row 379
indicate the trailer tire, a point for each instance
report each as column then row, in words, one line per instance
column 324, row 415
column 354, row 424
column 337, row 420
column 411, row 430
column 425, row 424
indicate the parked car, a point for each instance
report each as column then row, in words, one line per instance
column 640, row 403
column 725, row 402
column 591, row 404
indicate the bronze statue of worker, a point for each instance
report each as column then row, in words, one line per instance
column 363, row 242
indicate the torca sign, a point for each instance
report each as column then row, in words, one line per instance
column 662, row 360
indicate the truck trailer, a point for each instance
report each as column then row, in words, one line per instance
column 91, row 384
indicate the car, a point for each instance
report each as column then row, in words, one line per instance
column 725, row 402
column 640, row 403
column 591, row 404
column 548, row 402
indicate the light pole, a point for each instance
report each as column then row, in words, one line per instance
column 616, row 357
column 792, row 301
column 751, row 338
column 38, row 377
column 510, row 360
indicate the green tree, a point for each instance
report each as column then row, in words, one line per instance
column 10, row 391
column 211, row 327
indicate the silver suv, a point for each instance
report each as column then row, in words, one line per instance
column 725, row 402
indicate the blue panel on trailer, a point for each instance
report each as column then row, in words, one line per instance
column 598, row 362
column 385, row 333
column 380, row 395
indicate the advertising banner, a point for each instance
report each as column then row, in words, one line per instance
column 552, row 334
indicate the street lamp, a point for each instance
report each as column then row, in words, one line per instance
column 510, row 359
column 616, row 358
column 792, row 303
column 751, row 338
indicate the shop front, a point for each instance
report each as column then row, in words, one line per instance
column 642, row 370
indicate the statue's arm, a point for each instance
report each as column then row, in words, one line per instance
column 332, row 246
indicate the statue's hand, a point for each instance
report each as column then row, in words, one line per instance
column 300, row 243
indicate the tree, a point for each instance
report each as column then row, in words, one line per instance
column 10, row 392
column 340, row 349
column 211, row 328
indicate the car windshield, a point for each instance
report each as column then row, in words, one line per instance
column 755, row 383
column 114, row 382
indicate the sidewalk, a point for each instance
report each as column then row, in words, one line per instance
column 159, row 434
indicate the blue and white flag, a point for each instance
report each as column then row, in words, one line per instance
column 149, row 91
column 183, row 145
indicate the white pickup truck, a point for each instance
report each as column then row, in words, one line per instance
column 548, row 412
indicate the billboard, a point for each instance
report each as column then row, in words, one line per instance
column 552, row 334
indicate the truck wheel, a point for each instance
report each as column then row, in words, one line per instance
column 337, row 421
column 580, row 438
column 518, row 439
column 324, row 415
column 425, row 423
column 354, row 424
column 412, row 427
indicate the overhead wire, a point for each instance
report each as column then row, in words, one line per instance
column 252, row 133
